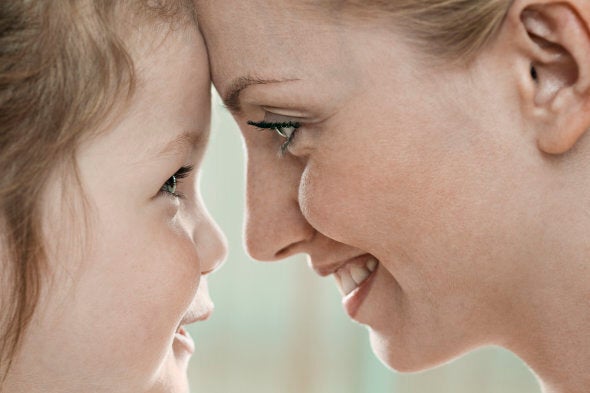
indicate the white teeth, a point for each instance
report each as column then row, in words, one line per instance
column 351, row 276
column 372, row 265
column 348, row 284
column 359, row 273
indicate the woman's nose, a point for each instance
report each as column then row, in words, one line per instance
column 275, row 227
column 211, row 243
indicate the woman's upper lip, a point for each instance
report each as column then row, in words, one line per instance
column 330, row 268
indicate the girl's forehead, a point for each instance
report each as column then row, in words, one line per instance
column 171, row 98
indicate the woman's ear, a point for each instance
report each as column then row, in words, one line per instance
column 553, row 37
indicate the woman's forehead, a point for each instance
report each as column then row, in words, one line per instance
column 247, row 8
column 266, row 41
column 277, row 24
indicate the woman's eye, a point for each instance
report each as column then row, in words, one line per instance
column 287, row 130
column 171, row 185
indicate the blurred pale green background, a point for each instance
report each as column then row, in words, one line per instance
column 279, row 328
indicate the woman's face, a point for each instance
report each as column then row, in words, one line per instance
column 397, row 158
column 129, row 250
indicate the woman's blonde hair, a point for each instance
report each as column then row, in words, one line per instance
column 453, row 30
column 63, row 67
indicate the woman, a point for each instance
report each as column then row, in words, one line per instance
column 105, row 242
column 432, row 155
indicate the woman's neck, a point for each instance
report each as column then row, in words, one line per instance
column 551, row 334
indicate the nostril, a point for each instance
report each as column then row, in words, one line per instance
column 305, row 237
column 264, row 252
column 283, row 252
column 211, row 270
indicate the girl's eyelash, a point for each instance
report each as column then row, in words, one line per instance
column 169, row 188
column 183, row 172
column 278, row 128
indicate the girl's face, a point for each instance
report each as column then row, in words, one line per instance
column 401, row 180
column 129, row 250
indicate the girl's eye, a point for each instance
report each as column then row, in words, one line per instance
column 171, row 185
column 287, row 130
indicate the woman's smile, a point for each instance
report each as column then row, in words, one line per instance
column 353, row 276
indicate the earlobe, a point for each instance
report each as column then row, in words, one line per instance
column 557, row 45
column 570, row 124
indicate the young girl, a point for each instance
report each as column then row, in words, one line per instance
column 104, row 242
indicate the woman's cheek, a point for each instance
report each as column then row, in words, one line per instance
column 310, row 199
column 324, row 202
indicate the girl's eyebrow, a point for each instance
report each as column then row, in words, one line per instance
column 182, row 143
column 231, row 98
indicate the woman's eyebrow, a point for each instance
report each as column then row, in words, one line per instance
column 231, row 98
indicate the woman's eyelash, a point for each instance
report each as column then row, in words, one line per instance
column 279, row 128
column 269, row 125
column 169, row 187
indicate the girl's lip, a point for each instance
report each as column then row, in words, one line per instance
column 354, row 300
column 201, row 307
column 184, row 340
column 192, row 317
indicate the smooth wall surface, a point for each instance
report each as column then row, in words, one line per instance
column 279, row 328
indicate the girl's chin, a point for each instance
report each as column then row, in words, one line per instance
column 171, row 376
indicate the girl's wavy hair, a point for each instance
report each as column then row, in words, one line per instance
column 64, row 66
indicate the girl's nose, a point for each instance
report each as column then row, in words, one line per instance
column 212, row 245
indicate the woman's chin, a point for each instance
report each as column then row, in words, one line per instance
column 405, row 360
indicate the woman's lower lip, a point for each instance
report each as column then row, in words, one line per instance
column 184, row 340
column 354, row 300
